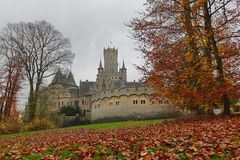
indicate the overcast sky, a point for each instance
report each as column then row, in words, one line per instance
column 89, row 24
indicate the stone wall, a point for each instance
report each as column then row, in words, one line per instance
column 128, row 103
column 66, row 121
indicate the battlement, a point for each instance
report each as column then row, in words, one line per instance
column 127, row 91
column 110, row 50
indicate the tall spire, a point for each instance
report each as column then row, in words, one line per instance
column 123, row 65
column 100, row 65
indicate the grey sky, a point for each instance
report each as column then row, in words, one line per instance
column 90, row 25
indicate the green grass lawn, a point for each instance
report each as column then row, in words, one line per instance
column 98, row 126
column 115, row 125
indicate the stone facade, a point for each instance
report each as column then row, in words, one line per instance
column 111, row 97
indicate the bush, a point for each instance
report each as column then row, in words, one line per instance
column 10, row 127
column 39, row 124
column 69, row 110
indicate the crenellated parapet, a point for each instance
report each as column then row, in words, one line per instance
column 127, row 91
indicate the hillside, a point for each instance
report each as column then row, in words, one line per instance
column 185, row 138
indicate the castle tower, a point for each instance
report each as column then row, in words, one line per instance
column 100, row 86
column 109, row 77
column 111, row 61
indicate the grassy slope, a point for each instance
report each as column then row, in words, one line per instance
column 115, row 125
column 99, row 126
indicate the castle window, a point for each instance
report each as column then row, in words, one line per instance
column 82, row 102
column 135, row 102
column 110, row 103
column 62, row 103
column 117, row 103
column 143, row 101
column 98, row 105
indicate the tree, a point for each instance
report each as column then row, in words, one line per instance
column 191, row 50
column 39, row 48
column 11, row 78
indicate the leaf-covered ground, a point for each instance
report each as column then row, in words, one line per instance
column 186, row 138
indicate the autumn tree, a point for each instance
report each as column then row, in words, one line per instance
column 11, row 78
column 39, row 48
column 191, row 50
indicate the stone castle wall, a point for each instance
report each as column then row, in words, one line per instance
column 128, row 103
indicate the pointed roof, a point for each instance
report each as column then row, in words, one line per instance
column 100, row 65
column 64, row 79
column 71, row 80
column 58, row 77
column 123, row 65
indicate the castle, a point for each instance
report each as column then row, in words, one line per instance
column 111, row 97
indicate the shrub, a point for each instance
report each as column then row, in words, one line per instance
column 39, row 124
column 69, row 110
column 10, row 126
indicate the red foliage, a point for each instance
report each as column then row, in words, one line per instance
column 191, row 50
column 190, row 138
column 11, row 78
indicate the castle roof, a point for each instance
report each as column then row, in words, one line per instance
column 64, row 79
column 58, row 77
column 100, row 65
column 123, row 66
column 71, row 80
column 85, row 87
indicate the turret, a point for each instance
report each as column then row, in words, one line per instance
column 123, row 72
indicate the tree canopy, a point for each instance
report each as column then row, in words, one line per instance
column 40, row 47
column 191, row 50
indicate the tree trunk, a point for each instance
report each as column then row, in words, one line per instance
column 33, row 99
column 1, row 109
column 189, row 28
column 221, row 79
column 31, row 103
